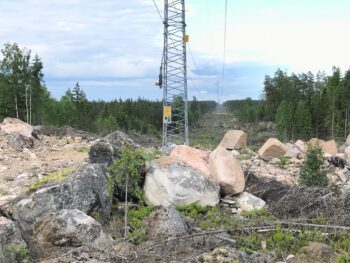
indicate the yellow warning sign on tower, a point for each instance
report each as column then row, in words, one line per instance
column 187, row 38
column 167, row 114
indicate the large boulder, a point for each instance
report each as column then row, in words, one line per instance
column 272, row 148
column 86, row 189
column 13, row 248
column 71, row 228
column 13, row 125
column 108, row 149
column 328, row 147
column 294, row 152
column 196, row 158
column 165, row 222
column 234, row 139
column 101, row 152
column 249, row 202
column 301, row 145
column 227, row 171
column 170, row 183
column 17, row 133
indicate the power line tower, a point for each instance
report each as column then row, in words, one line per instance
column 173, row 77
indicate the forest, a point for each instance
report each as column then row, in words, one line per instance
column 24, row 95
column 302, row 106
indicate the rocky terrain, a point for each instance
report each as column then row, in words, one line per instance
column 231, row 204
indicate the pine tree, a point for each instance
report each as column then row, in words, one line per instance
column 302, row 121
column 312, row 172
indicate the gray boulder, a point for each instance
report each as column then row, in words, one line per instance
column 18, row 141
column 13, row 248
column 86, row 189
column 108, row 149
column 101, row 152
column 165, row 222
column 174, row 184
column 71, row 228
column 249, row 202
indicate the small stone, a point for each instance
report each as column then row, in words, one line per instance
column 78, row 139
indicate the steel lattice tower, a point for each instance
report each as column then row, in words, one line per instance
column 174, row 75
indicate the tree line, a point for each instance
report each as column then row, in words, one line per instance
column 303, row 105
column 24, row 95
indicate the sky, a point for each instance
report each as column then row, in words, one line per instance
column 113, row 47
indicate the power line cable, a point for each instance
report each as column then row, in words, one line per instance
column 224, row 58
column 225, row 34
column 160, row 15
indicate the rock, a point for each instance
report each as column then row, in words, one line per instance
column 249, row 202
column 78, row 139
column 165, row 222
column 86, row 189
column 197, row 159
column 234, row 139
column 28, row 155
column 347, row 155
column 272, row 148
column 108, row 149
column 328, row 147
column 301, row 145
column 168, row 183
column 235, row 153
column 314, row 253
column 71, row 228
column 16, row 126
column 87, row 255
column 13, row 248
column 348, row 140
column 294, row 152
column 124, row 248
column 18, row 141
column 227, row 171
column 101, row 152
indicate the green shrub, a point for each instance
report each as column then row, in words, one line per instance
column 195, row 211
column 312, row 172
column 136, row 223
column 282, row 161
column 127, row 171
column 19, row 252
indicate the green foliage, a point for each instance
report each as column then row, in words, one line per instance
column 246, row 110
column 18, row 251
column 343, row 259
column 312, row 172
column 127, row 170
column 195, row 211
column 305, row 105
column 282, row 161
column 258, row 215
column 136, row 223
column 52, row 177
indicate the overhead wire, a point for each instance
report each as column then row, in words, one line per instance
column 224, row 57
column 156, row 6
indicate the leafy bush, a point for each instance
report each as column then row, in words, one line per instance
column 127, row 171
column 195, row 211
column 312, row 172
column 19, row 252
column 136, row 223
